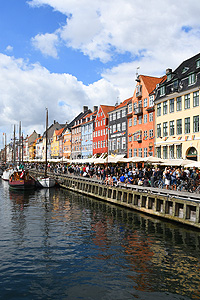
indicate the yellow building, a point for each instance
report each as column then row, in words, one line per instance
column 55, row 143
column 177, row 112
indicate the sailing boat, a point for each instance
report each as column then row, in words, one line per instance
column 46, row 181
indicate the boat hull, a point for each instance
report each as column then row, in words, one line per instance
column 22, row 184
column 46, row 182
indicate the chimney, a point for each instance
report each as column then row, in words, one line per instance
column 168, row 71
column 54, row 121
column 85, row 108
column 95, row 108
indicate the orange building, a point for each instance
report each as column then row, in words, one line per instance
column 141, row 117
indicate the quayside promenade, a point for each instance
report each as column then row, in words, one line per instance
column 176, row 206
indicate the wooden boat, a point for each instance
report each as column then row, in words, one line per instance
column 46, row 181
column 21, row 180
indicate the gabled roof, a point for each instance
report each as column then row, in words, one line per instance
column 151, row 82
column 59, row 132
column 106, row 109
column 124, row 103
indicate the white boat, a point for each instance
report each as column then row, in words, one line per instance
column 7, row 173
column 46, row 182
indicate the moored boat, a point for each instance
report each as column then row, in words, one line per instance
column 46, row 182
column 6, row 174
column 21, row 180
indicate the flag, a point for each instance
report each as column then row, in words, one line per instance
column 179, row 138
column 193, row 137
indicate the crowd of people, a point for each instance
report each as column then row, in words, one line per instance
column 167, row 177
column 150, row 176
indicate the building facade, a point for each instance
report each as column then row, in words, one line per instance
column 118, row 129
column 100, row 134
column 87, row 133
column 141, row 117
column 177, row 112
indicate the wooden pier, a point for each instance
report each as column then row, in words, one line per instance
column 172, row 205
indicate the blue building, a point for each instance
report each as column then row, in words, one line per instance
column 87, row 128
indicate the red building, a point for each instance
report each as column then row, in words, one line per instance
column 100, row 133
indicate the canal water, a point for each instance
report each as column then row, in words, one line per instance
column 55, row 244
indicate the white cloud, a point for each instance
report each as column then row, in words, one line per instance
column 27, row 89
column 148, row 27
column 47, row 43
column 9, row 48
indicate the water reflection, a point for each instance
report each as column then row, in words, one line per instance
column 60, row 245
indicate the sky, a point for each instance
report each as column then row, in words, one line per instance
column 64, row 54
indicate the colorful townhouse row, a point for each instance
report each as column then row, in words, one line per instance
column 161, row 119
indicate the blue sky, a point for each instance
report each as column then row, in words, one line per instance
column 63, row 54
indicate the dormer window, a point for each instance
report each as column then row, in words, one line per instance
column 185, row 69
column 162, row 90
column 191, row 79
column 198, row 63
column 169, row 76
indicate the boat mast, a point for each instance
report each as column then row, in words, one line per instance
column 14, row 154
column 19, row 142
column 46, row 143
column 5, row 149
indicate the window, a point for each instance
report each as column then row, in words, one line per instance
column 171, row 105
column 165, row 154
column 198, row 63
column 140, row 152
column 123, row 143
column 158, row 130
column 165, row 129
column 130, row 107
column 196, row 124
column 140, row 119
column 187, row 101
column 110, row 117
column 159, row 110
column 119, row 127
column 164, row 107
column 135, row 152
column 179, row 126
column 179, row 104
column 130, row 122
column 162, row 90
column 124, row 126
column 114, row 116
column 130, row 153
column 179, row 151
column 151, row 100
column 145, row 133
column 123, row 113
column 135, row 121
column 187, row 125
column 196, row 99
column 145, row 152
column 151, row 117
column 191, row 79
column 145, row 102
column 171, row 127
column 130, row 138
column 114, row 128
column 118, row 114
column 118, row 143
column 159, row 152
column 169, row 76
column 104, row 121
column 145, row 118
column 151, row 133
column 171, row 151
